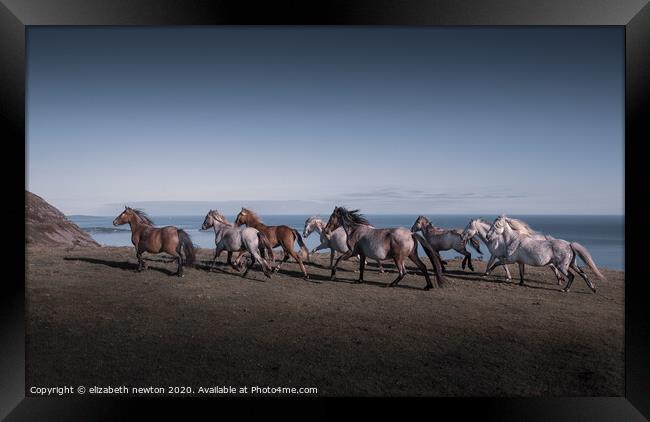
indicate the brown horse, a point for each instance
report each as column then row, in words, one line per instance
column 283, row 236
column 147, row 238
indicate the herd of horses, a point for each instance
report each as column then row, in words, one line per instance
column 509, row 240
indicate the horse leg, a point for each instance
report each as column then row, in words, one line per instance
column 582, row 274
column 217, row 252
column 297, row 258
column 362, row 266
column 508, row 276
column 489, row 265
column 415, row 258
column 498, row 264
column 138, row 255
column 570, row 276
column 557, row 274
column 468, row 257
column 400, row 275
column 332, row 258
column 179, row 270
column 381, row 268
column 464, row 261
column 442, row 262
column 284, row 259
column 344, row 256
column 141, row 264
column 323, row 245
column 521, row 274
column 235, row 265
column 266, row 267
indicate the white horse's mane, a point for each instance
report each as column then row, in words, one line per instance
column 520, row 226
column 219, row 217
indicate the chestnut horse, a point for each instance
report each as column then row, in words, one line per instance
column 283, row 236
column 147, row 238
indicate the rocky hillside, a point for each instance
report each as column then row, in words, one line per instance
column 47, row 226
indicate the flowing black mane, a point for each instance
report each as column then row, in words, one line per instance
column 351, row 218
column 143, row 216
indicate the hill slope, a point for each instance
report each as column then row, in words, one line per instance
column 47, row 226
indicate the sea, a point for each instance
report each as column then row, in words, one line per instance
column 602, row 235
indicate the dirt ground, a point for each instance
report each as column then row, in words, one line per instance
column 93, row 320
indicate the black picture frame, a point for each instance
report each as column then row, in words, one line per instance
column 17, row 15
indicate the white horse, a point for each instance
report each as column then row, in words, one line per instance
column 526, row 250
column 235, row 239
column 446, row 239
column 479, row 227
column 336, row 242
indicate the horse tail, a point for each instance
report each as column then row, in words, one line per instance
column 475, row 244
column 433, row 255
column 187, row 246
column 303, row 249
column 586, row 257
column 265, row 244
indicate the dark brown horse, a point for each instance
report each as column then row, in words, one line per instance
column 283, row 236
column 147, row 238
column 396, row 243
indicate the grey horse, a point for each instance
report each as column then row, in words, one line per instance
column 446, row 239
column 236, row 239
column 526, row 250
column 396, row 243
column 336, row 242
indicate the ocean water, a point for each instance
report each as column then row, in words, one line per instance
column 602, row 235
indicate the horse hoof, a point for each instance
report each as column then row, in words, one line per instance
column 565, row 290
column 427, row 288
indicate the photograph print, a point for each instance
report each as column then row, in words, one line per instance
column 304, row 211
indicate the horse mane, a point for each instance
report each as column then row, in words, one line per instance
column 253, row 214
column 520, row 226
column 143, row 216
column 219, row 217
column 423, row 217
column 312, row 218
column 352, row 217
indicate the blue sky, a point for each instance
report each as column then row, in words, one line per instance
column 295, row 120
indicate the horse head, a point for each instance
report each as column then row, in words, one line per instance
column 420, row 223
column 497, row 228
column 310, row 223
column 124, row 217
